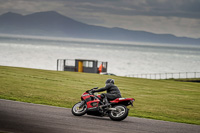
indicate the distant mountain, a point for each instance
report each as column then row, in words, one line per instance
column 54, row 24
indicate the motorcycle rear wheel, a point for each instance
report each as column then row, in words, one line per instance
column 119, row 114
column 79, row 111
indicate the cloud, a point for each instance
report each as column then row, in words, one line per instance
column 28, row 6
column 179, row 17
column 166, row 8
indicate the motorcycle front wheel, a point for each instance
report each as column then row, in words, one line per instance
column 119, row 114
column 77, row 111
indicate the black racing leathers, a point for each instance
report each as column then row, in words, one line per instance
column 113, row 91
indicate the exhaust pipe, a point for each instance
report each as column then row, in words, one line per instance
column 112, row 109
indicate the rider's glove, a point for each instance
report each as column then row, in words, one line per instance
column 93, row 91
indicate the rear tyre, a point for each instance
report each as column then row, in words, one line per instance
column 79, row 111
column 119, row 114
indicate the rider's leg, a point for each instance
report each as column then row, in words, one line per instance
column 105, row 100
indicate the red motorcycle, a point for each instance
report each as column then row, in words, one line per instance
column 94, row 105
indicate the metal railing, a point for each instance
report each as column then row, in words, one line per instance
column 178, row 75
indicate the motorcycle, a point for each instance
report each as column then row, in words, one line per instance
column 93, row 104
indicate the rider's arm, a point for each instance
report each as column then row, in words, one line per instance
column 102, row 89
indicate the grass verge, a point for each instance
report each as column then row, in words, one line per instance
column 167, row 100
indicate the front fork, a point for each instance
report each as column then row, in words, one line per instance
column 82, row 104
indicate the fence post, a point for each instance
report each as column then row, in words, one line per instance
column 57, row 64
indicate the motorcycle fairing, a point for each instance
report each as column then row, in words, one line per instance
column 92, row 104
column 122, row 100
column 91, row 101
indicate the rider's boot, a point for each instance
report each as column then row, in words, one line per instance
column 106, row 103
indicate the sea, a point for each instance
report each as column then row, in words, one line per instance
column 124, row 58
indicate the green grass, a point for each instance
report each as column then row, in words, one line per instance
column 167, row 100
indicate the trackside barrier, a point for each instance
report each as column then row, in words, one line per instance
column 178, row 75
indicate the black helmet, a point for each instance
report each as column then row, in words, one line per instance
column 110, row 81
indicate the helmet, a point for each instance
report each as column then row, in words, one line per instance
column 110, row 81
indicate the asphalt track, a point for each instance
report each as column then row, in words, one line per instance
column 19, row 117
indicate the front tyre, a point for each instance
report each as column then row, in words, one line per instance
column 77, row 111
column 119, row 114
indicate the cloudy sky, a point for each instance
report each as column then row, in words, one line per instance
column 178, row 17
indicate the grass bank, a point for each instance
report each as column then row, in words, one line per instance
column 167, row 100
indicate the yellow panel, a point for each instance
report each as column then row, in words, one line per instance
column 80, row 66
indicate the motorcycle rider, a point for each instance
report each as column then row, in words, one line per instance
column 113, row 91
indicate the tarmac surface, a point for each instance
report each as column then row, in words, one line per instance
column 19, row 117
